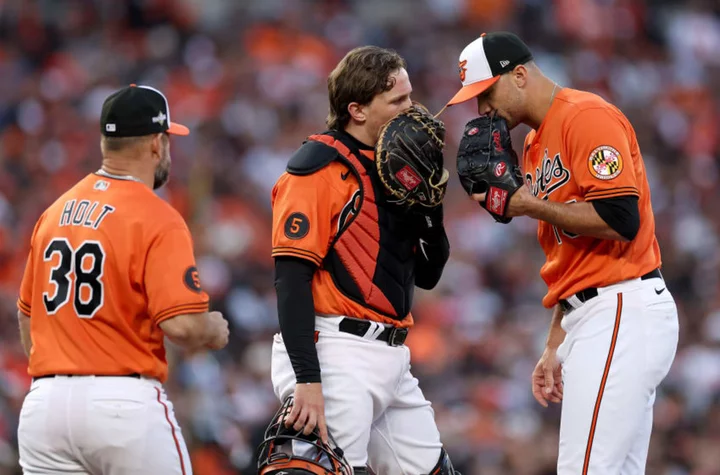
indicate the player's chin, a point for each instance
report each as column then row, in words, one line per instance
column 511, row 123
column 161, row 178
column 501, row 114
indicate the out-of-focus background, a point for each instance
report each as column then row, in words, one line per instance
column 249, row 78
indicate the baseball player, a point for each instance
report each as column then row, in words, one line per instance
column 111, row 272
column 614, row 328
column 347, row 261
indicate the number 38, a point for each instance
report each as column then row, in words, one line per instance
column 72, row 266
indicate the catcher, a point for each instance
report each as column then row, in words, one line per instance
column 355, row 228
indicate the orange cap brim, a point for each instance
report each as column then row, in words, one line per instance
column 177, row 129
column 472, row 90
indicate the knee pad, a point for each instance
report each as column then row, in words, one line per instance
column 444, row 465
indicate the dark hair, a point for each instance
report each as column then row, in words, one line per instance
column 361, row 75
column 120, row 144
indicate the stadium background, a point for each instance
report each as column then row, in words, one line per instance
column 249, row 78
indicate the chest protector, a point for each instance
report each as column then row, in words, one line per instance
column 372, row 258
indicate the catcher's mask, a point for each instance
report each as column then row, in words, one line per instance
column 275, row 453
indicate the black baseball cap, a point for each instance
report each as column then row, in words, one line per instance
column 137, row 110
column 483, row 61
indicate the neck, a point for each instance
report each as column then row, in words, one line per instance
column 541, row 102
column 361, row 134
column 121, row 166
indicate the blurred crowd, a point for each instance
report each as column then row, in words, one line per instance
column 249, row 78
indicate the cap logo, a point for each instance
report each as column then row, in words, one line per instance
column 462, row 69
column 504, row 63
column 160, row 118
column 110, row 128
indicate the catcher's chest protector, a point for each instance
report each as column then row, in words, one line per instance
column 372, row 259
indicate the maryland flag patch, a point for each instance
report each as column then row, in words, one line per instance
column 605, row 163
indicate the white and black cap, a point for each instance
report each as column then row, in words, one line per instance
column 137, row 110
column 483, row 61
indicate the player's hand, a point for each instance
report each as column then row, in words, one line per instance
column 219, row 331
column 517, row 204
column 547, row 379
column 308, row 410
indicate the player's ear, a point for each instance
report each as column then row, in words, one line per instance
column 520, row 75
column 156, row 145
column 357, row 112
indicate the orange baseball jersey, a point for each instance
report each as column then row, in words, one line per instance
column 109, row 261
column 585, row 150
column 308, row 211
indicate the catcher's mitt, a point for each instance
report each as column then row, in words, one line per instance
column 487, row 163
column 409, row 158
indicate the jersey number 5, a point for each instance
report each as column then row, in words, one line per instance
column 79, row 269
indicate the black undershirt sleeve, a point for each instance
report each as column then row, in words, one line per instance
column 620, row 213
column 430, row 258
column 296, row 313
column 433, row 248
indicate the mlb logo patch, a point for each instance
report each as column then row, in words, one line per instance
column 101, row 185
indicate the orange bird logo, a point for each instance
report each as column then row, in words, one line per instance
column 462, row 69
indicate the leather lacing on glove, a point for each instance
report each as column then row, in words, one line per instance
column 409, row 159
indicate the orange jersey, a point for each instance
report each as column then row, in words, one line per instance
column 585, row 150
column 308, row 212
column 109, row 261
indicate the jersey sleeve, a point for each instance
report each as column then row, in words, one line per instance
column 24, row 302
column 601, row 154
column 172, row 283
column 25, row 297
column 303, row 208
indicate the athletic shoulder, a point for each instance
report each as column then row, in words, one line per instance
column 586, row 104
column 335, row 179
column 582, row 107
column 55, row 209
column 311, row 157
column 161, row 214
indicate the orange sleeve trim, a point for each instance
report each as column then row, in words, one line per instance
column 180, row 309
column 624, row 191
column 291, row 251
column 23, row 307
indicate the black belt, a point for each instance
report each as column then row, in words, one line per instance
column 393, row 336
column 133, row 375
column 592, row 292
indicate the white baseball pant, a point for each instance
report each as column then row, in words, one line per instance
column 100, row 425
column 374, row 408
column 618, row 348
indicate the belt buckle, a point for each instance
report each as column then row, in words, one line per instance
column 397, row 336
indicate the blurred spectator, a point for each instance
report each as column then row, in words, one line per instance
column 250, row 78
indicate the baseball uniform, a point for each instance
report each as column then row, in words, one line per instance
column 621, row 320
column 336, row 217
column 109, row 261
